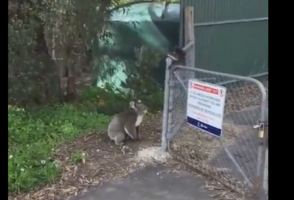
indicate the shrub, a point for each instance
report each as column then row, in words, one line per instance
column 32, row 136
column 141, row 77
column 108, row 100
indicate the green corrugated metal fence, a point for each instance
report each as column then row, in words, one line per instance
column 231, row 35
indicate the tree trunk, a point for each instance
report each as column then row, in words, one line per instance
column 71, row 92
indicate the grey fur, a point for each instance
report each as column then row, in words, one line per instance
column 124, row 123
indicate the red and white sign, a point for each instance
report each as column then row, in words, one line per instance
column 205, row 106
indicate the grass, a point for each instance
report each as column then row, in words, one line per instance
column 78, row 156
column 33, row 137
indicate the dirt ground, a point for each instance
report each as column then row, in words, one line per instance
column 103, row 162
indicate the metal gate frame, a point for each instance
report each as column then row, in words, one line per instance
column 168, row 133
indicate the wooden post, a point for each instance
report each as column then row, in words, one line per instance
column 189, row 34
column 189, row 24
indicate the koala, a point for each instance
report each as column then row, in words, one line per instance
column 176, row 57
column 124, row 124
column 140, row 119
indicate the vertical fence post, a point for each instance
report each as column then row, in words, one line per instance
column 188, row 24
column 170, row 118
column 189, row 35
column 165, row 105
column 265, row 168
column 265, row 141
column 262, row 140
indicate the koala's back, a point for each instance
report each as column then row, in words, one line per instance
column 119, row 120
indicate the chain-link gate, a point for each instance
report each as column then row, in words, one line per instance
column 236, row 159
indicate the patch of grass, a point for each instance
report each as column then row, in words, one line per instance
column 78, row 156
column 32, row 137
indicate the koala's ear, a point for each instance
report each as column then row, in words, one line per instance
column 132, row 103
column 139, row 101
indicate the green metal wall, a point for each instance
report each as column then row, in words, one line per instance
column 231, row 35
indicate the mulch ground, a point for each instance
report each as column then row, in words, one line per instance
column 103, row 162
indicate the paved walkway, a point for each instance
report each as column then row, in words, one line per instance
column 150, row 183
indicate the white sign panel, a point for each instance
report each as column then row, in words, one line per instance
column 205, row 107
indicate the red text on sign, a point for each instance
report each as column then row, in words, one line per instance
column 205, row 88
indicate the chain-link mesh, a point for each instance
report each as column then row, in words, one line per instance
column 233, row 159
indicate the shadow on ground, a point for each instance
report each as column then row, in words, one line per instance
column 150, row 183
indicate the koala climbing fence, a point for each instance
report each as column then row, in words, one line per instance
column 237, row 159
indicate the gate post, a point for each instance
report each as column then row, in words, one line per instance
column 265, row 169
column 261, row 175
column 166, row 112
column 189, row 35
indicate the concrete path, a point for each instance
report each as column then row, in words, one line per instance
column 150, row 183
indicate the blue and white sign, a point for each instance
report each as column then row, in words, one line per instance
column 205, row 107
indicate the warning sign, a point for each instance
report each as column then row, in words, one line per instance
column 205, row 106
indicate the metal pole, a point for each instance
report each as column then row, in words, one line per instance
column 166, row 105
column 265, row 169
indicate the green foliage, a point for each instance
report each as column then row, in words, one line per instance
column 35, row 28
column 32, row 137
column 34, row 133
column 25, row 65
column 67, row 26
column 31, row 70
column 140, row 77
column 129, row 1
column 78, row 156
column 108, row 100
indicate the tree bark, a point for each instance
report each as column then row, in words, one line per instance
column 71, row 92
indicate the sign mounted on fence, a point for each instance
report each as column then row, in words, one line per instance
column 205, row 107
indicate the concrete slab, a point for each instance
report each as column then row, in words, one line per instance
column 151, row 183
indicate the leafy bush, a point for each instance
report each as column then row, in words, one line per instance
column 32, row 136
column 108, row 100
column 32, row 77
column 141, row 77
column 39, row 32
